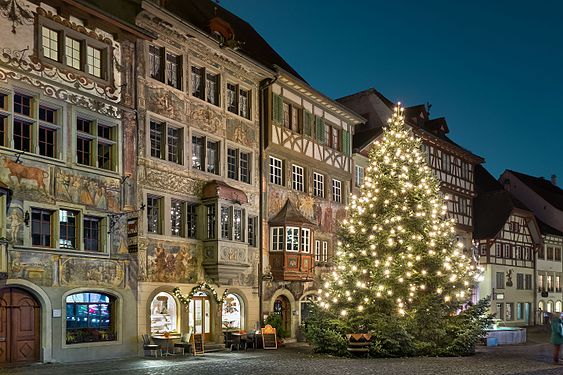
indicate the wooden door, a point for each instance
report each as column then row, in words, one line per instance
column 200, row 307
column 19, row 326
column 281, row 307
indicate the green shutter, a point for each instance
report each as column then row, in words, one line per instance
column 277, row 108
column 346, row 142
column 307, row 123
column 320, row 124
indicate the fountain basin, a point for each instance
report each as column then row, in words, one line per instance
column 507, row 335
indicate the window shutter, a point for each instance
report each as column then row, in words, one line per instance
column 307, row 123
column 346, row 142
column 320, row 129
column 277, row 108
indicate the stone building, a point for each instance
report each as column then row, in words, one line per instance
column 66, row 106
column 452, row 164
column 507, row 236
column 198, row 172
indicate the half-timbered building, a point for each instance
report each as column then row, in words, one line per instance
column 307, row 166
column 66, row 107
column 198, row 172
column 545, row 199
column 452, row 164
column 507, row 236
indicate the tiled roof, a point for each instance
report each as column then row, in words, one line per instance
column 289, row 215
column 492, row 206
column 544, row 188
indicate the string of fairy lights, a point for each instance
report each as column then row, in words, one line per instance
column 397, row 244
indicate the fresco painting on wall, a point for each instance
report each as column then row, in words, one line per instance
column 181, row 263
column 21, row 177
column 15, row 218
column 79, row 188
column 77, row 271
column 33, row 266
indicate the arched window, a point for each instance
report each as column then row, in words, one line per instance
column 541, row 305
column 90, row 317
column 164, row 313
column 549, row 306
column 558, row 306
column 232, row 313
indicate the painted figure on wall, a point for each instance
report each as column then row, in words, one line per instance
column 78, row 188
column 173, row 263
column 15, row 218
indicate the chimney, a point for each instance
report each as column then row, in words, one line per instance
column 554, row 180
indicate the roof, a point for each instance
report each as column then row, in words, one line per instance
column 547, row 229
column 493, row 205
column 289, row 215
column 219, row 189
column 200, row 12
column 544, row 188
column 364, row 138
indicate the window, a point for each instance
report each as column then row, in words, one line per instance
column 317, row 250
column 90, row 317
column 446, row 162
column 500, row 280
column 557, row 253
column 95, row 144
column 359, row 180
column 509, row 311
column 72, row 53
column 321, row 251
column 335, row 138
column 337, row 191
column 276, row 168
column 252, row 230
column 166, row 142
column 498, row 250
column 50, row 43
column 48, row 131
column 305, row 240
column 549, row 253
column 237, row 224
column 292, row 239
column 520, row 281
column 191, row 220
column 22, row 135
column 557, row 284
column 558, row 306
column 92, row 233
column 154, row 214
column 226, row 223
column 238, row 100
column 541, row 253
column 540, row 283
column 205, row 152
column 205, row 85
column 324, row 254
column 169, row 72
column 232, row 312
column 291, row 117
column 238, row 165
column 483, row 249
column 277, row 239
column 518, row 252
column 211, row 221
column 41, row 232
column 164, row 314
column 500, row 311
column 318, row 185
column 519, row 311
column 506, row 250
column 297, row 178
column 549, row 283
column 68, row 228
column 177, row 208
column 528, row 282
column 69, row 48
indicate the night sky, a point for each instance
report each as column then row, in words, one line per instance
column 494, row 69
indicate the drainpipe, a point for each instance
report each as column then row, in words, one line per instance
column 264, row 85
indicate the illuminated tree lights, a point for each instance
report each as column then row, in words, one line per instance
column 396, row 251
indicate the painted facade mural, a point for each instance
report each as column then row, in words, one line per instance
column 87, row 189
column 181, row 263
column 85, row 272
column 36, row 267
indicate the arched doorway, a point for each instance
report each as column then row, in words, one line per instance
column 232, row 313
column 283, row 309
column 164, row 314
column 200, row 315
column 20, row 332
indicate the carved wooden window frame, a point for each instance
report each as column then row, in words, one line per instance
column 85, row 42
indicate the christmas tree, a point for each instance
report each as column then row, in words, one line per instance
column 398, row 271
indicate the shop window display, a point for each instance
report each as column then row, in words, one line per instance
column 164, row 314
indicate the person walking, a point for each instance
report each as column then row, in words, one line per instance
column 556, row 336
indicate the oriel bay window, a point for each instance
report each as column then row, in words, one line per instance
column 166, row 142
column 232, row 223
column 96, row 144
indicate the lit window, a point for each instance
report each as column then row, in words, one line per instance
column 72, row 52
column 305, row 240
column 50, row 43
column 318, row 185
column 177, row 217
column 90, row 318
column 68, row 229
column 337, row 191
column 154, row 214
column 276, row 171
column 94, row 60
column 297, row 178
column 292, row 239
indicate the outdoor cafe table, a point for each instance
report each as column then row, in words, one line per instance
column 166, row 343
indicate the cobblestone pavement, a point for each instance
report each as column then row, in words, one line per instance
column 531, row 358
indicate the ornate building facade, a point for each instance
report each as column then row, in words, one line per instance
column 66, row 105
column 197, row 173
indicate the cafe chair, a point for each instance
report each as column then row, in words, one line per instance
column 150, row 347
column 184, row 343
column 250, row 340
